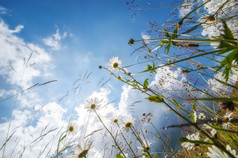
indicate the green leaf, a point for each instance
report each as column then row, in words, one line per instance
column 174, row 34
column 156, row 99
column 168, row 47
column 192, row 116
column 194, row 106
column 227, row 32
column 155, row 156
column 184, row 139
column 146, row 83
column 166, row 33
column 62, row 138
column 130, row 143
column 224, row 133
column 176, row 104
column 119, row 156
column 227, row 63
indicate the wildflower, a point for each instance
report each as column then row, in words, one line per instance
column 72, row 128
column 81, row 150
column 188, row 145
column 114, row 64
column 145, row 147
column 213, row 132
column 227, row 118
column 128, row 123
column 92, row 104
column 115, row 119
column 194, row 116
column 214, row 152
column 201, row 116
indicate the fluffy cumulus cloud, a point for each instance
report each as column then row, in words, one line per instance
column 20, row 61
column 186, row 7
column 53, row 41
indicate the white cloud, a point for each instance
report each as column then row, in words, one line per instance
column 186, row 7
column 3, row 10
column 145, row 37
column 20, row 61
column 53, row 41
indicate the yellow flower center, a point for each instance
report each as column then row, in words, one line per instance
column 93, row 106
column 71, row 128
column 115, row 120
column 115, row 65
column 226, row 119
column 128, row 125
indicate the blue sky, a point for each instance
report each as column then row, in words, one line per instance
column 95, row 31
column 68, row 40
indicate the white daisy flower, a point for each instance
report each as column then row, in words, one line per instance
column 128, row 122
column 72, row 128
column 213, row 132
column 115, row 119
column 114, row 64
column 146, row 145
column 188, row 145
column 81, row 149
column 214, row 152
column 92, row 104
column 201, row 116
column 227, row 118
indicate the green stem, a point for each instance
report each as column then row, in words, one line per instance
column 126, row 140
column 161, row 137
column 141, row 141
column 188, row 40
column 57, row 154
column 109, row 133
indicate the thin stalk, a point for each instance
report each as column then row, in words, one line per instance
column 57, row 154
column 109, row 133
column 187, row 40
column 141, row 142
column 126, row 140
column 161, row 137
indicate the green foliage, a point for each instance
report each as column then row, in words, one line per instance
column 196, row 142
column 119, row 156
column 228, row 44
column 146, row 83
column 156, row 99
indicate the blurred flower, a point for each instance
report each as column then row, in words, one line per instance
column 212, row 130
column 201, row 116
column 214, row 152
column 194, row 116
column 81, row 149
column 129, row 121
column 115, row 119
column 227, row 118
column 72, row 128
column 114, row 64
column 188, row 145
column 92, row 104
column 145, row 147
